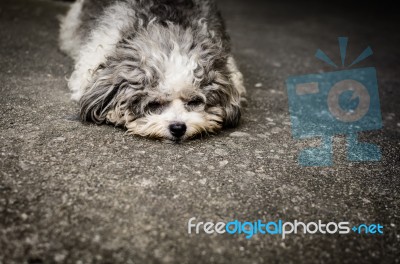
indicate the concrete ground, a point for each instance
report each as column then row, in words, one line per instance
column 79, row 193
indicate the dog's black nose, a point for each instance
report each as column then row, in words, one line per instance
column 177, row 129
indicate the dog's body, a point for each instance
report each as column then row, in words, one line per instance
column 161, row 68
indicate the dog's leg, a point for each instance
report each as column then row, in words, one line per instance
column 100, row 44
column 237, row 79
column 70, row 40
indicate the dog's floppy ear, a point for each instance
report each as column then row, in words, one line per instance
column 100, row 98
column 225, row 97
column 232, row 107
column 233, row 114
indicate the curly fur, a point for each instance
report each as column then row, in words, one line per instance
column 146, row 64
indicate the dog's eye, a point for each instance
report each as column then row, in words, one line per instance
column 195, row 102
column 155, row 107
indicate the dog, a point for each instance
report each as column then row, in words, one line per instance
column 160, row 68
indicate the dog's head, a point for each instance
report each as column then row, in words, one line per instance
column 165, row 82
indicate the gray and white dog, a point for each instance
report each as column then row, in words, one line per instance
column 160, row 68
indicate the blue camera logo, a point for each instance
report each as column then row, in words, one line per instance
column 340, row 102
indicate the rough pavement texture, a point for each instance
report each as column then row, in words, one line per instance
column 76, row 193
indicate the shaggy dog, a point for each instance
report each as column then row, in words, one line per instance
column 160, row 68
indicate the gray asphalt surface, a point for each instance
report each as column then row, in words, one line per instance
column 79, row 193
